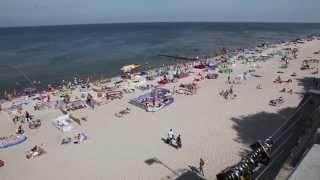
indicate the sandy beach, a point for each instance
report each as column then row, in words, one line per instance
column 212, row 128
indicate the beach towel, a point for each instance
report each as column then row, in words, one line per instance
column 199, row 66
column 11, row 140
column 20, row 101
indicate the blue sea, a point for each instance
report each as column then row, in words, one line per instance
column 52, row 53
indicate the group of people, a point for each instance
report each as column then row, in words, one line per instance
column 27, row 117
column 76, row 139
column 228, row 93
column 171, row 137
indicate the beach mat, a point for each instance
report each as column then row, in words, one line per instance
column 12, row 140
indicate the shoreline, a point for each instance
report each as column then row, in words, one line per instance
column 56, row 84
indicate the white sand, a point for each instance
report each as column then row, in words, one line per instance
column 118, row 148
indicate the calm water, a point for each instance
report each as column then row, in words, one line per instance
column 50, row 54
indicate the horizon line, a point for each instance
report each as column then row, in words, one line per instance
column 151, row 22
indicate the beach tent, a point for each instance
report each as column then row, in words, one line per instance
column 158, row 94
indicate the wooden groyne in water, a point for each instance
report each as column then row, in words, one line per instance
column 178, row 57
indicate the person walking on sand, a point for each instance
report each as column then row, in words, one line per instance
column 178, row 141
column 231, row 90
column 170, row 136
column 201, row 164
column 28, row 116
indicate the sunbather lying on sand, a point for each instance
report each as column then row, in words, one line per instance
column 35, row 152
column 122, row 113
column 293, row 74
column 184, row 91
column 276, row 102
column 282, row 81
column 76, row 139
column 35, row 124
column 66, row 140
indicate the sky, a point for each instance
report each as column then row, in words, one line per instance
column 58, row 12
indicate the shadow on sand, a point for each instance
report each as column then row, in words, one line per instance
column 190, row 173
column 261, row 125
column 174, row 145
